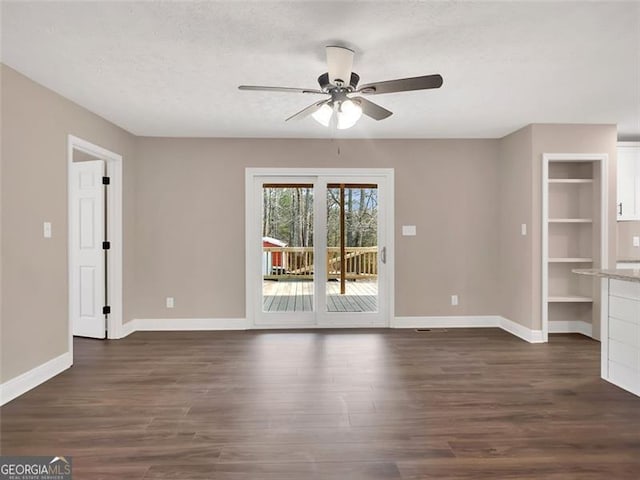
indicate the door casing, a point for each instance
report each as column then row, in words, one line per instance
column 113, row 163
column 383, row 176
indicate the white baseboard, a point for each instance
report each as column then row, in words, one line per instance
column 571, row 326
column 175, row 324
column 464, row 321
column 29, row 380
column 471, row 321
column 527, row 334
column 128, row 328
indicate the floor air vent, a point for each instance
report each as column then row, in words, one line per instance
column 432, row 330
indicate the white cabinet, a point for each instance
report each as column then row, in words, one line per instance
column 622, row 361
column 620, row 327
column 628, row 204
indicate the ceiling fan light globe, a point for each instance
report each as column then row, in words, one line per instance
column 323, row 115
column 348, row 114
column 344, row 124
column 351, row 109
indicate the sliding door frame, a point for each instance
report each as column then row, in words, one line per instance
column 260, row 319
column 383, row 176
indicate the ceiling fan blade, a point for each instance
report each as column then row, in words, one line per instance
column 305, row 112
column 371, row 109
column 260, row 88
column 402, row 85
column 339, row 63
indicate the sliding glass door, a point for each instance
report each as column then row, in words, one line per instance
column 318, row 253
column 353, row 249
column 287, row 234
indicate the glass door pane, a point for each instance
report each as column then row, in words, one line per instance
column 287, row 247
column 352, row 247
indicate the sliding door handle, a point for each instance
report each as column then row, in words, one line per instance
column 383, row 254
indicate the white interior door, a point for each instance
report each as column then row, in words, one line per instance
column 87, row 232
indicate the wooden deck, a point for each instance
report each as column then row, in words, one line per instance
column 297, row 296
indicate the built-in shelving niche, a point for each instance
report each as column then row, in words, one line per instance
column 572, row 219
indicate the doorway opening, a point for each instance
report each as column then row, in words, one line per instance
column 94, row 240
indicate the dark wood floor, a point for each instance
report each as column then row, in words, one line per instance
column 377, row 404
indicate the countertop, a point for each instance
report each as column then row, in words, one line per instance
column 630, row 275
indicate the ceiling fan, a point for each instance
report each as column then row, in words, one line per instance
column 340, row 83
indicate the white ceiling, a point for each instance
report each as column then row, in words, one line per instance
column 172, row 68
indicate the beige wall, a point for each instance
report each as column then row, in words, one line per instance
column 514, row 206
column 184, row 217
column 190, row 219
column 520, row 202
column 467, row 198
column 626, row 232
column 35, row 125
column 553, row 138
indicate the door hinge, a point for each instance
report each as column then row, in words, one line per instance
column 106, row 180
column 106, row 310
column 106, row 245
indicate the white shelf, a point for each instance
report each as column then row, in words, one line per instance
column 570, row 220
column 570, row 260
column 574, row 189
column 571, row 180
column 570, row 299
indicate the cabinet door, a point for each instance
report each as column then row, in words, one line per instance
column 628, row 206
column 635, row 153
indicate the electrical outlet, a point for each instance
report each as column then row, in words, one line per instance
column 46, row 229
column 523, row 229
column 636, row 241
column 454, row 300
column 170, row 302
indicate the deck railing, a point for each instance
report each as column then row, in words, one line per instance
column 284, row 263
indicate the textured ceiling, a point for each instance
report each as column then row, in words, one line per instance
column 172, row 68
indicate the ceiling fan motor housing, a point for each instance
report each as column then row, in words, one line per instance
column 325, row 85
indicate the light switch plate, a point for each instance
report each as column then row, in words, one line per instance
column 636, row 241
column 523, row 229
column 46, row 229
column 408, row 230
